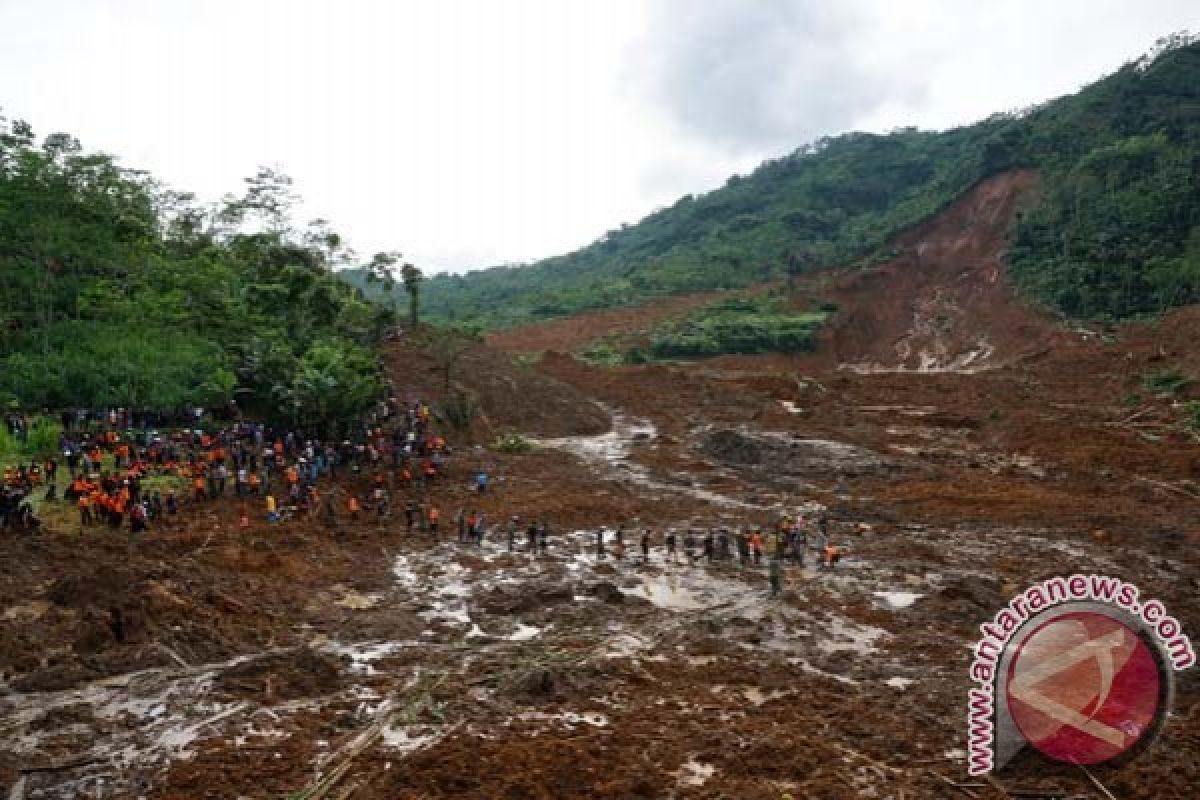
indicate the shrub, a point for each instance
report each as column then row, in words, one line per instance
column 740, row 325
column 9, row 446
column 457, row 411
column 511, row 443
column 1192, row 415
column 636, row 355
column 527, row 360
column 43, row 437
column 602, row 354
column 1166, row 381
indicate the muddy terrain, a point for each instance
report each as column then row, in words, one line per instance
column 963, row 446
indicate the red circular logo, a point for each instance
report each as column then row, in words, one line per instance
column 1084, row 688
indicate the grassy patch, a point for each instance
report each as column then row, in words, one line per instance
column 1192, row 415
column 511, row 443
column 1171, row 381
column 744, row 325
column 603, row 353
column 41, row 440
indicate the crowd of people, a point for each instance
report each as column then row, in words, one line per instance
column 111, row 462
column 800, row 540
column 111, row 466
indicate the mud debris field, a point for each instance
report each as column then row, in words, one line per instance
column 208, row 662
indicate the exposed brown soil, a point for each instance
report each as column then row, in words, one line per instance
column 508, row 396
column 943, row 301
column 570, row 334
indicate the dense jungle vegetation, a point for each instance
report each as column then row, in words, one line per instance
column 120, row 292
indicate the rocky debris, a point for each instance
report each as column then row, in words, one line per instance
column 523, row 600
column 286, row 676
column 537, row 683
column 508, row 397
column 64, row 716
column 973, row 598
column 791, row 454
column 607, row 592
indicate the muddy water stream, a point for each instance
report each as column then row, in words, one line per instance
column 609, row 454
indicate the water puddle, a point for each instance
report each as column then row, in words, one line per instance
column 362, row 655
column 609, row 453
column 898, row 600
column 410, row 738
column 569, row 719
column 665, row 591
column 524, row 633
column 757, row 697
column 846, row 636
column 694, row 773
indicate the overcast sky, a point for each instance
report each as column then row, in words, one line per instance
column 468, row 134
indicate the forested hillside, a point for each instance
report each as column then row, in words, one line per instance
column 1117, row 231
column 118, row 291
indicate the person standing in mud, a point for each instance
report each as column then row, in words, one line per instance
column 743, row 549
column 689, row 545
column 645, row 545
column 775, row 571
column 723, row 544
column 708, row 546
column 328, row 511
column 410, row 515
column 382, row 505
column 460, row 523
column 670, row 542
column 85, row 511
column 137, row 518
column 480, row 528
column 800, row 543
column 531, row 535
column 513, row 522
column 600, row 543
column 619, row 544
column 543, row 535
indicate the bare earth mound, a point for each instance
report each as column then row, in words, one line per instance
column 943, row 303
column 509, row 396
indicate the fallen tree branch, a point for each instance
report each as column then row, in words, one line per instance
column 388, row 710
column 962, row 787
column 1130, row 419
column 1097, row 782
column 175, row 656
column 1168, row 487
column 61, row 766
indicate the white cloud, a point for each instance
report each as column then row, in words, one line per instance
column 472, row 133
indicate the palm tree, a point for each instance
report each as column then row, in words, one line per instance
column 412, row 278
